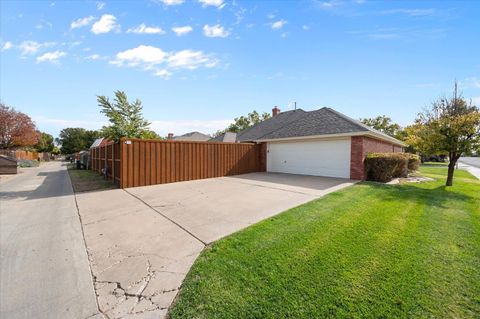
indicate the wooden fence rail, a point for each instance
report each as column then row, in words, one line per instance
column 136, row 162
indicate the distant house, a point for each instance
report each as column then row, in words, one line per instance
column 323, row 142
column 191, row 137
column 228, row 137
column 100, row 142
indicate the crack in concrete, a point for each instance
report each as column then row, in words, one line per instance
column 121, row 294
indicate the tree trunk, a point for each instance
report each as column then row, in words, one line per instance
column 451, row 169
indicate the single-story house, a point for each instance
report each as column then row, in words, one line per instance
column 190, row 137
column 227, row 137
column 323, row 142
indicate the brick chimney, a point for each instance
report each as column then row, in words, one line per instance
column 275, row 111
column 170, row 136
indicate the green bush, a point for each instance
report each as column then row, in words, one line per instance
column 383, row 167
column 413, row 162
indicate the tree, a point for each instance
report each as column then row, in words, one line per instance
column 75, row 139
column 45, row 143
column 126, row 118
column 385, row 125
column 16, row 128
column 451, row 126
column 243, row 122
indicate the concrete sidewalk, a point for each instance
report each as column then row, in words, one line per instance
column 142, row 241
column 44, row 269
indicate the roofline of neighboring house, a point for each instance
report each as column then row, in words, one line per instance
column 325, row 136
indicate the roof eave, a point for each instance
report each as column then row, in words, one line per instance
column 338, row 135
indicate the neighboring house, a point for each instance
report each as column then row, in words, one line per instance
column 191, row 137
column 322, row 142
column 228, row 137
column 100, row 142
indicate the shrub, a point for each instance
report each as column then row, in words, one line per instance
column 28, row 163
column 413, row 162
column 383, row 167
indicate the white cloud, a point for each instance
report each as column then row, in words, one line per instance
column 215, row 31
column 7, row 45
column 182, row 30
column 163, row 73
column 29, row 47
column 188, row 59
column 179, row 127
column 143, row 29
column 213, row 3
column 94, row 57
column 172, row 2
column 305, row 27
column 278, row 24
column 107, row 23
column 100, row 5
column 142, row 55
column 81, row 22
column 51, row 57
column 154, row 59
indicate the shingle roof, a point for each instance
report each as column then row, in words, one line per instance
column 277, row 122
column 192, row 136
column 228, row 137
column 319, row 122
column 299, row 123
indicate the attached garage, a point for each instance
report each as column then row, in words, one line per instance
column 319, row 157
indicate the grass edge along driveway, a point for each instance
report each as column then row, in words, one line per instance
column 369, row 251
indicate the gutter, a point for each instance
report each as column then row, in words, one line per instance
column 338, row 135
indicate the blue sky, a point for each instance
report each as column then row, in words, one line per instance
column 198, row 64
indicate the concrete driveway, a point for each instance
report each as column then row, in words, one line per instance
column 142, row 241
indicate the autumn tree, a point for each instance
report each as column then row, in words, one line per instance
column 452, row 126
column 16, row 128
column 75, row 139
column 243, row 122
column 126, row 118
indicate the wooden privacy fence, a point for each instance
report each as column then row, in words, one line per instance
column 21, row 155
column 139, row 162
column 106, row 156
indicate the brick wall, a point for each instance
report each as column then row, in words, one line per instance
column 360, row 147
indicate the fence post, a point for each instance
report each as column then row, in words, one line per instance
column 113, row 163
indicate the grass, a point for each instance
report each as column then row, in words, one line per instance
column 368, row 251
column 85, row 180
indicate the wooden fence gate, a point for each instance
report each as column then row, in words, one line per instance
column 137, row 162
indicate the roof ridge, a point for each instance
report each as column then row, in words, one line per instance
column 305, row 112
column 267, row 120
column 360, row 124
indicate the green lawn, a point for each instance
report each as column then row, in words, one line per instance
column 86, row 180
column 368, row 251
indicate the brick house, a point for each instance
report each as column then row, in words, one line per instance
column 323, row 142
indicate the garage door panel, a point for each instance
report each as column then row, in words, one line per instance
column 320, row 158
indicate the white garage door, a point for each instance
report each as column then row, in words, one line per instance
column 320, row 157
